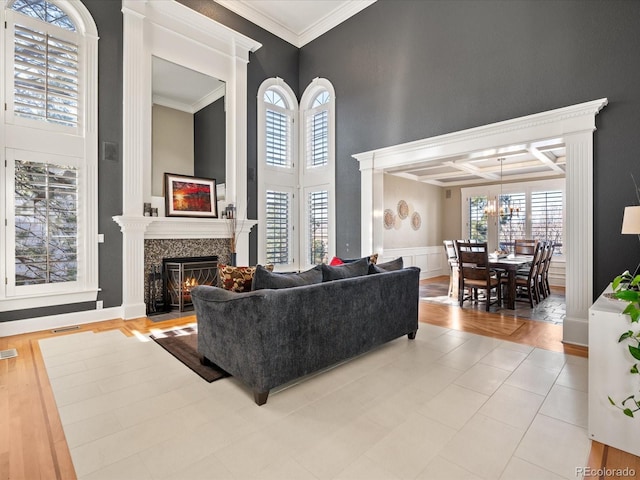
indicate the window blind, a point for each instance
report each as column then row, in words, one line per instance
column 278, row 224
column 278, row 139
column 318, row 139
column 45, row 77
column 547, row 217
column 478, row 218
column 513, row 219
column 318, row 226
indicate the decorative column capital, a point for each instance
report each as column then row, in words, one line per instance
column 132, row 224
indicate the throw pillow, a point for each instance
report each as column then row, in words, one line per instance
column 348, row 270
column 236, row 279
column 263, row 278
column 341, row 261
column 397, row 264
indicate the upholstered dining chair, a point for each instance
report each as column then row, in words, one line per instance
column 452, row 258
column 529, row 284
column 524, row 247
column 475, row 273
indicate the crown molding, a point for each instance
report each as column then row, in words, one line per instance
column 298, row 39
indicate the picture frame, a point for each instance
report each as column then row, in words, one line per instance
column 187, row 196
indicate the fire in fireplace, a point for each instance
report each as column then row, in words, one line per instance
column 182, row 274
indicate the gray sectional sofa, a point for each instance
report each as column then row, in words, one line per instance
column 271, row 336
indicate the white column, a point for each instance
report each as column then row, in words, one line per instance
column 136, row 156
column 371, row 208
column 579, row 236
column 133, row 229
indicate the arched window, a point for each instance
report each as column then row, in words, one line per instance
column 318, row 173
column 278, row 173
column 296, row 198
column 50, row 180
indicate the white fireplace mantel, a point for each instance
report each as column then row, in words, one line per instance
column 185, row 228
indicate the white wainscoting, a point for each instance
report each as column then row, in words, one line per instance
column 558, row 272
column 431, row 260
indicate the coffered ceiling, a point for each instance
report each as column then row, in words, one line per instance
column 513, row 163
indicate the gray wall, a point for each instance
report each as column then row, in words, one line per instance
column 405, row 70
column 209, row 132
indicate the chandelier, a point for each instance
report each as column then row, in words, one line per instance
column 495, row 207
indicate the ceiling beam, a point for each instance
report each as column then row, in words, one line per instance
column 546, row 159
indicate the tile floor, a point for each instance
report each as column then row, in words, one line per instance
column 448, row 405
column 551, row 309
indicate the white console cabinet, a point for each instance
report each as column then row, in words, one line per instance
column 609, row 364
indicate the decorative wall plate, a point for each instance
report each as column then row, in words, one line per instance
column 416, row 221
column 403, row 210
column 389, row 218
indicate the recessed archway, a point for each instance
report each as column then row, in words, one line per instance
column 573, row 126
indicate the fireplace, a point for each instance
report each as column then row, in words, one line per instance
column 181, row 274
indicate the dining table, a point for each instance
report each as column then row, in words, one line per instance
column 511, row 264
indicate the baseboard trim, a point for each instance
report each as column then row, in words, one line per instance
column 575, row 331
column 29, row 325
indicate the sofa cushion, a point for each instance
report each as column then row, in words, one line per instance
column 236, row 279
column 264, row 278
column 397, row 264
column 348, row 270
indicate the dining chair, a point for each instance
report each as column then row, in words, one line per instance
column 452, row 258
column 524, row 247
column 529, row 284
column 543, row 274
column 475, row 273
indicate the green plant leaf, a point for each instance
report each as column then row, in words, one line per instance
column 635, row 352
column 628, row 295
column 628, row 412
column 625, row 335
column 611, row 401
column 634, row 369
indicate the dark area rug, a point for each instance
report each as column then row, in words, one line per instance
column 182, row 343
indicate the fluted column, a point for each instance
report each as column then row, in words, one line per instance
column 578, row 236
column 133, row 229
column 371, row 207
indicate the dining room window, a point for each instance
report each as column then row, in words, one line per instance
column 533, row 209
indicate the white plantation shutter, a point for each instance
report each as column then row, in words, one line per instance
column 45, row 77
column 278, row 145
column 278, row 227
column 318, row 225
column 547, row 217
column 318, row 138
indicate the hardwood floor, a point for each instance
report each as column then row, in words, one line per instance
column 32, row 442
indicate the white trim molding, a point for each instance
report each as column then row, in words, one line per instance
column 178, row 34
column 431, row 260
column 573, row 125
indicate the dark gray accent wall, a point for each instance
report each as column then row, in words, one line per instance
column 209, row 144
column 406, row 70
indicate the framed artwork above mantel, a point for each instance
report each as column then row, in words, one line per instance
column 187, row 196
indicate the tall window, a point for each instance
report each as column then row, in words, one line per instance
column 50, row 242
column 547, row 217
column 295, row 198
column 527, row 210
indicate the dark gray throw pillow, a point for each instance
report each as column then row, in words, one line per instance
column 397, row 264
column 263, row 278
column 348, row 270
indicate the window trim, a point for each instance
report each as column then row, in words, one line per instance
column 83, row 144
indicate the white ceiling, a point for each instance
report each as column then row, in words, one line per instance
column 296, row 21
